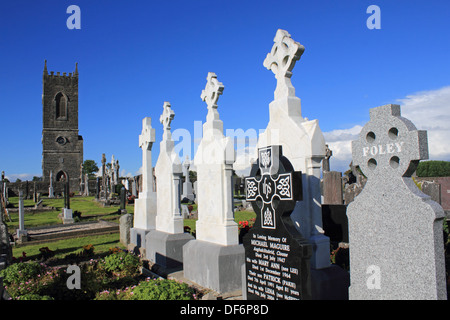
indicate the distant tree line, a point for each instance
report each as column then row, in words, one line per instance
column 433, row 168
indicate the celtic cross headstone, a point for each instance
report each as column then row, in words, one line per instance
column 395, row 230
column 276, row 254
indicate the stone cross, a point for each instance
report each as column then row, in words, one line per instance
column 281, row 60
column 395, row 230
column 21, row 232
column 165, row 119
column 212, row 91
column 146, row 139
column 326, row 160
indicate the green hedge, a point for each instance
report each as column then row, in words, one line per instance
column 433, row 168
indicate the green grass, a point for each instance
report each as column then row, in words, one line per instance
column 89, row 208
column 101, row 243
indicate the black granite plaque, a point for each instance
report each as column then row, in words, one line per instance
column 276, row 254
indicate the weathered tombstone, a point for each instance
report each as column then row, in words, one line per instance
column 215, row 258
column 332, row 187
column 395, row 230
column 133, row 187
column 276, row 254
column 145, row 206
column 97, row 188
column 22, row 233
column 195, row 192
column 165, row 243
column 187, row 185
column 51, row 193
column 184, row 211
column 67, row 212
column 5, row 245
column 432, row 189
column 326, row 160
column 126, row 223
column 86, row 185
column 123, row 201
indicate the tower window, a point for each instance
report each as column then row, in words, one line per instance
column 61, row 103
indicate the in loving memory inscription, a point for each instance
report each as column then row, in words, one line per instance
column 276, row 255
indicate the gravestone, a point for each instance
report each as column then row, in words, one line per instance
column 5, row 245
column 50, row 188
column 67, row 212
column 86, row 185
column 304, row 145
column 145, row 206
column 332, row 187
column 187, row 185
column 125, row 225
column 433, row 189
column 123, row 201
column 22, row 233
column 215, row 258
column 395, row 230
column 276, row 255
column 306, row 151
column 165, row 243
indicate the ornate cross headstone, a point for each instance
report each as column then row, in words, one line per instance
column 276, row 255
column 395, row 231
column 165, row 119
column 212, row 91
column 281, row 60
column 146, row 139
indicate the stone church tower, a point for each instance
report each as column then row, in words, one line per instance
column 62, row 147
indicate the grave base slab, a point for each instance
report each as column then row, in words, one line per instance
column 330, row 283
column 166, row 249
column 214, row 266
column 137, row 236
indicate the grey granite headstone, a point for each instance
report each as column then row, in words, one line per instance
column 432, row 189
column 126, row 223
column 395, row 230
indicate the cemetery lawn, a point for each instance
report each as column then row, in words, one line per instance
column 61, row 248
column 90, row 211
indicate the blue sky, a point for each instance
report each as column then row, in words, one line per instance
column 134, row 55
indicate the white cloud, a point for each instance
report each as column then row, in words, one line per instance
column 22, row 176
column 244, row 158
column 428, row 110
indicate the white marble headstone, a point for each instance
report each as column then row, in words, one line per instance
column 303, row 144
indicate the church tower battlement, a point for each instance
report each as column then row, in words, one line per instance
column 62, row 152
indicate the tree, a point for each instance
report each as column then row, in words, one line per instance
column 433, row 168
column 90, row 167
